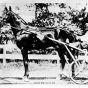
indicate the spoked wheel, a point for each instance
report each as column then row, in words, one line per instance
column 78, row 72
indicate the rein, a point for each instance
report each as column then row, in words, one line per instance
column 25, row 31
column 24, row 22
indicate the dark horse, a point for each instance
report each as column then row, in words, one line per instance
column 28, row 40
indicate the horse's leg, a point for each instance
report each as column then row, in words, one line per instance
column 74, row 53
column 69, row 56
column 62, row 59
column 25, row 61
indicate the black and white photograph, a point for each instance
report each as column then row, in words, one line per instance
column 44, row 43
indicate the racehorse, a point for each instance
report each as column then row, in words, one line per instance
column 27, row 39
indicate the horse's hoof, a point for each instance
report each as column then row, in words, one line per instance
column 25, row 78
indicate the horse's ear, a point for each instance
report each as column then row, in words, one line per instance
column 10, row 8
column 6, row 9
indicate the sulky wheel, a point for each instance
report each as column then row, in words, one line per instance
column 78, row 71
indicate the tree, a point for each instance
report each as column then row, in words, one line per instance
column 81, row 19
column 42, row 15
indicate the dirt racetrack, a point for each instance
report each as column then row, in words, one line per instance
column 45, row 72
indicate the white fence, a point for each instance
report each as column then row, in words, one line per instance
column 5, row 56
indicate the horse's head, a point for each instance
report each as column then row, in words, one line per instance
column 9, row 16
